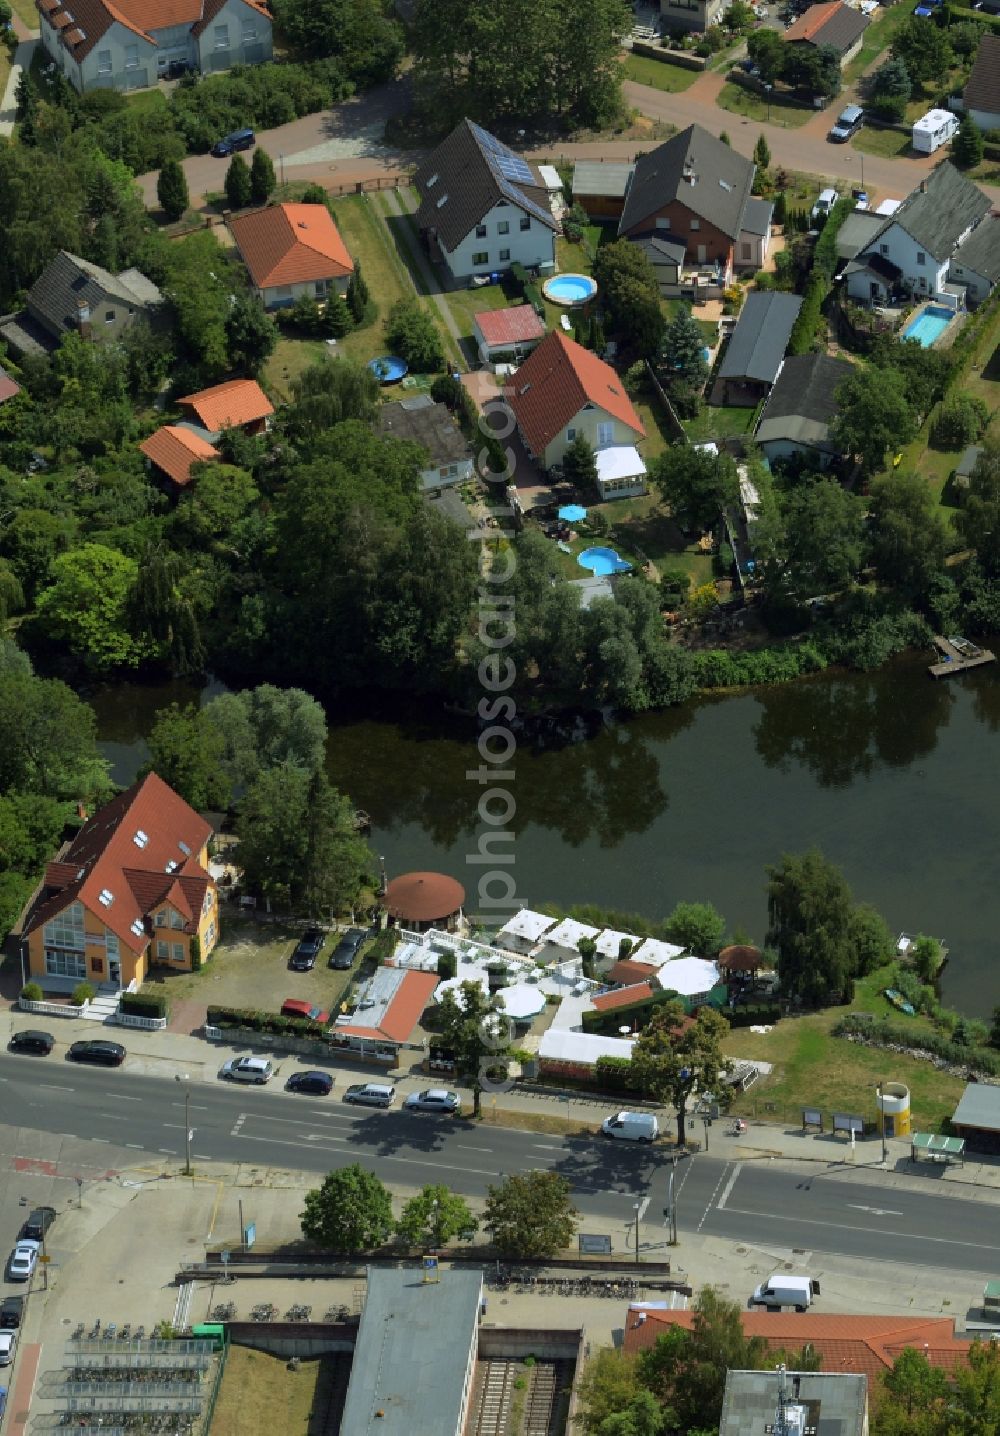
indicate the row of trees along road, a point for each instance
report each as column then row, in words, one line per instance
column 525, row 1216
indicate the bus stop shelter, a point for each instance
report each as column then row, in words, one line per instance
column 937, row 1148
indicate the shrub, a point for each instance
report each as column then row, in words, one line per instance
column 939, row 1044
column 961, row 420
column 144, row 1004
column 83, row 992
column 384, row 945
column 614, row 1073
column 447, row 965
column 411, row 333
column 31, row 992
column 194, row 948
column 574, row 223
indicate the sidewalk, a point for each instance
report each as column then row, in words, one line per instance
column 171, row 1052
column 22, row 61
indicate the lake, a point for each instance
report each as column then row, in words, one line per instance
column 891, row 775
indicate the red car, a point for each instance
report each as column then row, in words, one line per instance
column 297, row 1007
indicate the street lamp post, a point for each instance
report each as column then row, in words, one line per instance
column 767, row 91
column 637, row 1208
column 183, row 1077
column 881, row 1119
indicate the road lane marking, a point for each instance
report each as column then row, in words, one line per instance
column 169, row 1151
column 194, row 1105
column 873, row 1231
column 442, row 1166
column 541, row 1147
column 137, row 1146
column 49, row 1087
column 119, row 1098
column 405, row 1161
column 711, row 1200
column 729, row 1187
column 875, row 1211
column 466, row 1148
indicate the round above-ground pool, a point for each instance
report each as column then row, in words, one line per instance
column 569, row 289
column 602, row 561
column 388, row 368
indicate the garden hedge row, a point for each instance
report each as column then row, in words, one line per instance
column 888, row 1032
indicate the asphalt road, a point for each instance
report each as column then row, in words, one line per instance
column 781, row 1206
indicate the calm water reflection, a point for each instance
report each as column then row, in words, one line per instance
column 893, row 776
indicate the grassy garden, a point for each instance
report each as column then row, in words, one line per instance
column 878, row 37
column 782, row 110
column 659, row 74
column 718, row 423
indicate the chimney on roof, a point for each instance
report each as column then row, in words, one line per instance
column 923, row 186
column 83, row 317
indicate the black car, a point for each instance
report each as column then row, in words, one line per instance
column 229, row 144
column 31, row 1040
column 346, row 950
column 307, row 949
column 38, row 1223
column 11, row 1312
column 104, row 1054
column 318, row 1084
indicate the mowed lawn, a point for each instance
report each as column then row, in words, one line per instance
column 659, row 74
column 782, row 110
column 259, row 1393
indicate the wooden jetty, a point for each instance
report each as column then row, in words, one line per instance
column 958, row 655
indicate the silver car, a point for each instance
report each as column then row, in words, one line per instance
column 435, row 1099
column 23, row 1260
column 370, row 1094
column 247, row 1069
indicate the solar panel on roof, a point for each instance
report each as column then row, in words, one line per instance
column 510, row 165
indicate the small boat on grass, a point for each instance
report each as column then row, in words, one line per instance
column 899, row 1002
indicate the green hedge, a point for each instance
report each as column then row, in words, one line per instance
column 614, row 1074
column 753, row 1013
column 271, row 1022
column 980, row 1058
column 609, row 1022
column 683, row 59
column 138, row 1004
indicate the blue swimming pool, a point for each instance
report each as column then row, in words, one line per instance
column 569, row 289
column 929, row 325
column 388, row 368
column 602, row 561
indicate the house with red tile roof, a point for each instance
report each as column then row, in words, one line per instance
column 562, row 391
column 866, row 1345
column 292, row 250
column 8, row 388
column 132, row 889
column 235, row 404
column 832, row 23
column 173, row 451
column 130, row 44
column 386, row 1010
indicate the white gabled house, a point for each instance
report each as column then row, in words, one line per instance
column 917, row 252
column 483, row 207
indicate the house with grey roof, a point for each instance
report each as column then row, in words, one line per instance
column 975, row 265
column 415, row 1354
column 73, row 296
column 830, row 24
column 795, row 421
column 693, row 190
column 756, row 350
column 977, row 1117
column 599, row 187
column 913, row 251
column 483, row 207
column 757, row 1403
column 857, row 231
column 431, row 426
column 981, row 96
column 666, row 255
column 755, row 233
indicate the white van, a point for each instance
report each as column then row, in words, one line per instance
column 781, row 1290
column 632, row 1126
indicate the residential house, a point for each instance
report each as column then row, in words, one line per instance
column 755, row 353
column 832, row 24
column 681, row 16
column 74, row 296
column 132, row 889
column 795, row 421
column 291, row 250
column 692, row 190
column 483, row 208
column 666, row 255
column 981, row 96
column 755, row 234
column 8, row 388
column 975, row 265
column 861, row 1345
column 174, row 449
column 432, row 427
column 129, row 44
column 856, row 232
column 563, row 390
column 913, row 252
column 235, row 404
column 599, row 187
column 506, row 333
column 387, row 1008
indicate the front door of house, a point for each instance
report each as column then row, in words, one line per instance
column 702, row 254
column 115, row 971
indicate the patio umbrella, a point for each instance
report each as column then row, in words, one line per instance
column 573, row 513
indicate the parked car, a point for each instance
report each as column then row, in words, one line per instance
column 828, row 198
column 847, row 123
column 347, row 948
column 229, row 144
column 435, row 1099
column 23, row 1260
column 38, row 1223
column 257, row 1070
column 11, row 1312
column 298, row 1007
column 8, row 1341
column 631, row 1126
column 29, row 1039
column 317, row 1084
column 100, row 1052
column 370, row 1094
column 307, row 949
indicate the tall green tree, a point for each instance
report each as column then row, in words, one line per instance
column 434, row 1217
column 670, row 1062
column 762, row 153
column 267, row 727
column 978, row 520
column 239, row 191
column 968, row 145
column 361, row 35
column 186, row 749
column 328, row 392
column 473, row 1028
column 30, row 828
column 873, row 415
column 48, row 739
column 172, row 190
column 251, row 334
column 531, row 1215
column 580, row 465
column 696, row 485
column 608, row 1385
column 698, row 926
column 631, row 294
column 909, row 534
column 682, row 365
column 262, row 177
column 350, row 1213
column 411, row 333
column 923, row 49
column 810, row 910
column 87, row 606
column 824, row 537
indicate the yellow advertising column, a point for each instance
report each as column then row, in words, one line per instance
column 892, row 1100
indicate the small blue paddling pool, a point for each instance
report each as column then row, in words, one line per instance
column 388, row 368
column 602, row 561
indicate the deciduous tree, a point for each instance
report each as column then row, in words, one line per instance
column 909, row 533
column 923, row 49
column 172, row 189
column 978, row 520
column 87, row 606
column 477, row 1034
column 810, row 910
column 697, row 926
column 696, row 485
column 670, row 1061
column 824, row 537
column 531, row 1215
column 434, row 1217
column 350, row 1213
column 411, row 333
column 47, row 739
column 686, row 1370
column 186, row 749
column 251, row 334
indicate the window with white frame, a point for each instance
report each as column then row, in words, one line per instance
column 112, row 944
column 65, row 964
column 163, row 951
column 605, row 435
column 221, row 41
column 131, row 57
column 210, row 934
column 109, row 316
column 207, row 904
column 104, row 62
column 570, row 435
column 504, row 255
column 161, row 918
column 696, row 224
column 175, row 919
column 322, row 288
column 249, row 32
column 177, row 951
column 66, row 928
column 921, row 257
